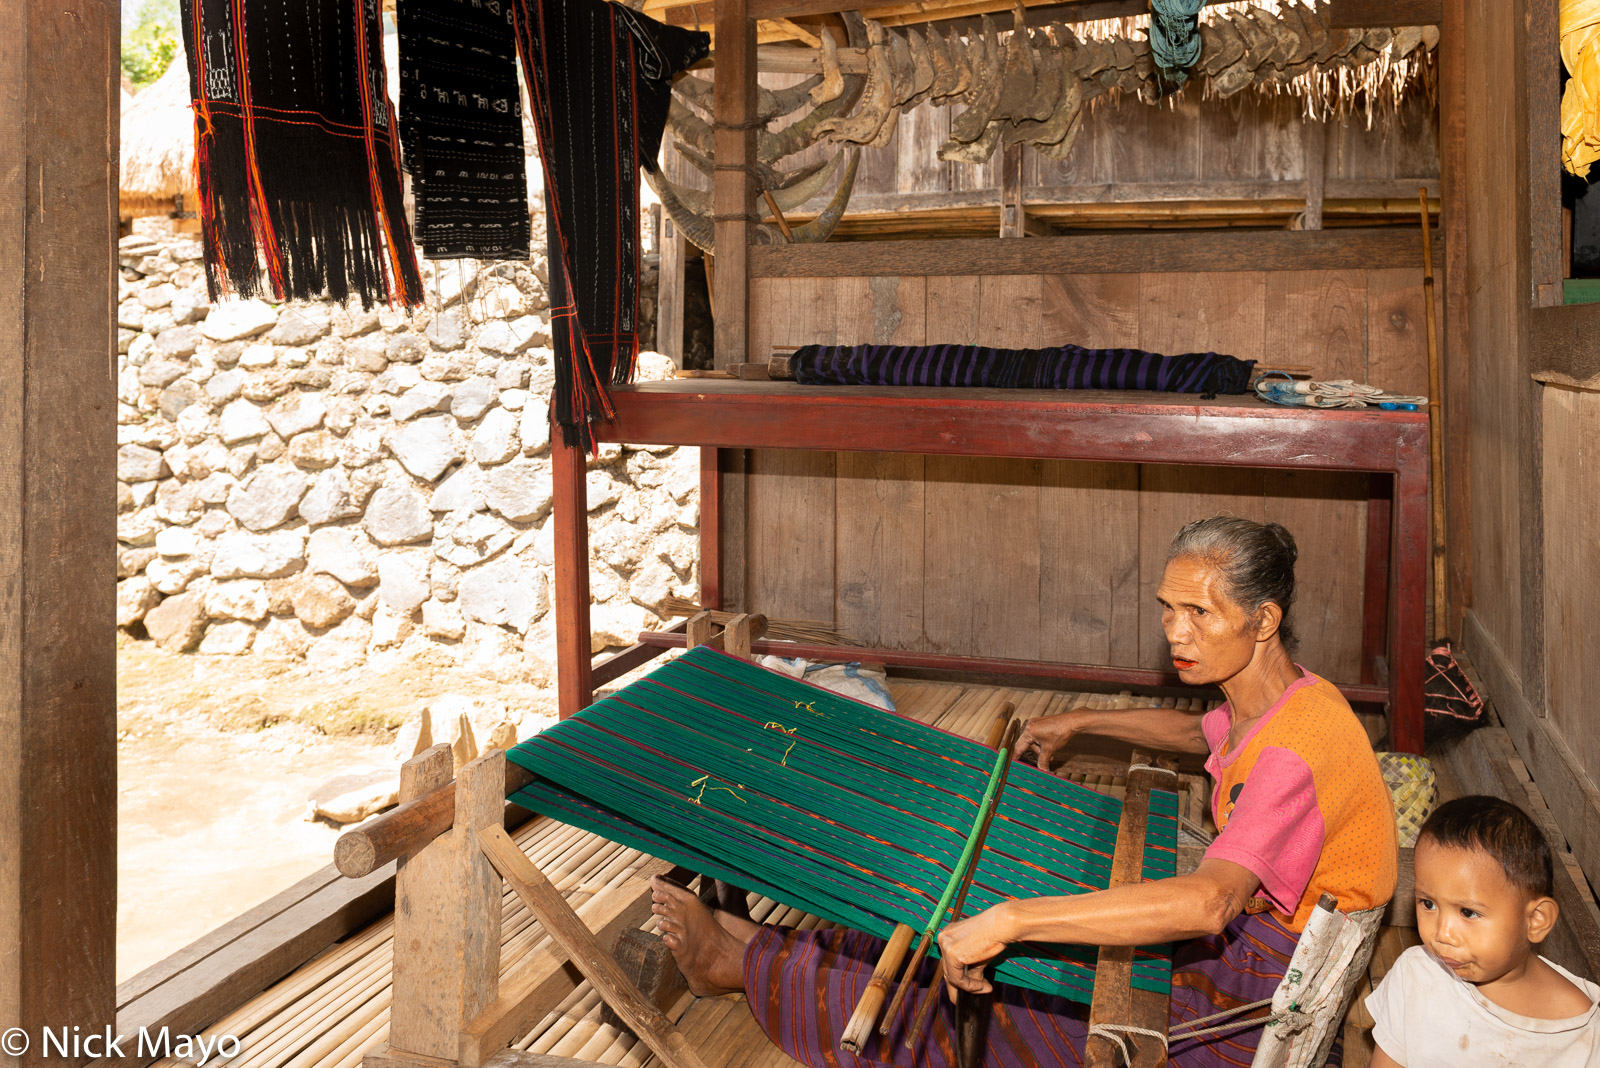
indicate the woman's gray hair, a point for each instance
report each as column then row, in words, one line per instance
column 1256, row 561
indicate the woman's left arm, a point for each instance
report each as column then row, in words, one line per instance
column 1187, row 906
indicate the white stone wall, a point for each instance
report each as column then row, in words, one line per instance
column 335, row 484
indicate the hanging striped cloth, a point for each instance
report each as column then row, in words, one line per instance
column 296, row 156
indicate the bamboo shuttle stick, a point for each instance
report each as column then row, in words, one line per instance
column 858, row 1030
column 861, row 1021
column 1004, row 768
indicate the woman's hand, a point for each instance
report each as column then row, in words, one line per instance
column 1048, row 735
column 966, row 946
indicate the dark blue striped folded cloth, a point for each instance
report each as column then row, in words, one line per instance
column 1060, row 367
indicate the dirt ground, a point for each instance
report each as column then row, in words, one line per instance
column 217, row 758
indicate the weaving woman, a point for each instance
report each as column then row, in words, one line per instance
column 1299, row 802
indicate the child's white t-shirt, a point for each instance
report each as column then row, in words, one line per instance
column 1424, row 1016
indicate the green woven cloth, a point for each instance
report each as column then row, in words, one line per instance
column 831, row 806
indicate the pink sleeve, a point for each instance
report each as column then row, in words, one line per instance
column 1215, row 726
column 1276, row 827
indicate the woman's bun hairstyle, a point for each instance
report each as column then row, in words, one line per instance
column 1256, row 559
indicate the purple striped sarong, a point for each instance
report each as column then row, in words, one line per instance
column 1057, row 367
column 803, row 986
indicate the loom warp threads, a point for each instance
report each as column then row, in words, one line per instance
column 828, row 805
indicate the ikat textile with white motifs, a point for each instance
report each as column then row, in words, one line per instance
column 296, row 153
column 461, row 128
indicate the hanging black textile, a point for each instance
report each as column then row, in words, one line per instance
column 600, row 80
column 1059, row 367
column 461, row 128
column 296, row 156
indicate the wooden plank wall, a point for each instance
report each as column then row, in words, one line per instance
column 1572, row 566
column 1059, row 560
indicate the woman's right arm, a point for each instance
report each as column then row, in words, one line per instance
column 1164, row 729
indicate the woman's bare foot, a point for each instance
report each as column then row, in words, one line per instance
column 710, row 955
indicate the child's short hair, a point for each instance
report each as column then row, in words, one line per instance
column 1503, row 831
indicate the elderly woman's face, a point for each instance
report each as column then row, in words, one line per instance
column 1212, row 637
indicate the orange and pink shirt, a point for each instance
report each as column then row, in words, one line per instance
column 1300, row 802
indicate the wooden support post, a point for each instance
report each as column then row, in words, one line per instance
column 732, row 194
column 1114, row 1002
column 1013, row 220
column 697, row 631
column 447, row 911
column 741, row 630
column 572, row 935
column 670, row 292
column 1314, row 153
column 570, row 491
column 58, row 714
column 711, row 528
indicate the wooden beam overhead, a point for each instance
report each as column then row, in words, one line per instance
column 1197, row 250
column 1342, row 13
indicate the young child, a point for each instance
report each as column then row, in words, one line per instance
column 1474, row 992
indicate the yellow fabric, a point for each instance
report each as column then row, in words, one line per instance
column 1580, row 105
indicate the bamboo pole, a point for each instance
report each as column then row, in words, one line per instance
column 1441, row 621
column 999, row 731
column 1007, row 751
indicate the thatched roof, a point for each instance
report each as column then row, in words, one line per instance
column 158, row 144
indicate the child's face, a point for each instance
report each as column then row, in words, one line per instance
column 1470, row 915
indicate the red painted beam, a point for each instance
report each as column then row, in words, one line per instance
column 1237, row 432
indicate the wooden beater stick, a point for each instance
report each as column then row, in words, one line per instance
column 959, row 909
column 997, row 735
column 859, row 1028
column 1441, row 622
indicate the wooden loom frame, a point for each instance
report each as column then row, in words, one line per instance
column 720, row 416
column 450, row 1007
column 724, row 418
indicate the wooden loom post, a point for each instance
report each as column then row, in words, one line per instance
column 1115, row 1002
column 573, row 936
column 570, row 506
column 734, row 109
column 447, row 911
column 1441, row 621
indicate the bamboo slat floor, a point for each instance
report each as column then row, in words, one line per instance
column 335, row 1008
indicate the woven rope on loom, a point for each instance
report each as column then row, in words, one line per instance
column 831, row 806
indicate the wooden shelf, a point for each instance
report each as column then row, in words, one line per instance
column 1125, row 427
